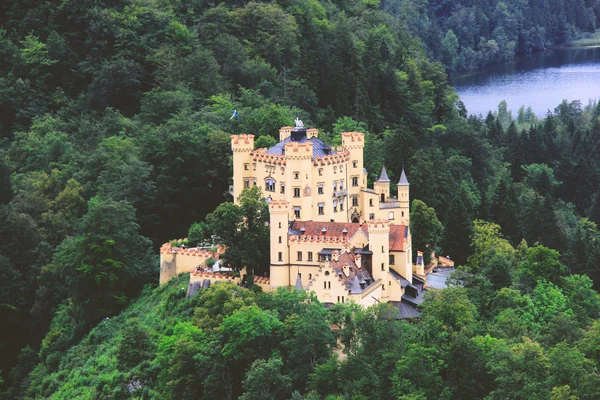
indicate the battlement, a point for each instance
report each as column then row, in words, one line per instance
column 353, row 140
column 279, row 207
column 320, row 239
column 333, row 158
column 242, row 142
column 379, row 226
column 261, row 155
column 295, row 150
column 311, row 133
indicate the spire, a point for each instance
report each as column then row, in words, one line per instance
column 299, row 283
column 403, row 181
column 383, row 177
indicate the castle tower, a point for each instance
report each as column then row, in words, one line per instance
column 379, row 232
column 298, row 165
column 280, row 258
column 242, row 146
column 284, row 132
column 354, row 142
column 382, row 186
column 404, row 198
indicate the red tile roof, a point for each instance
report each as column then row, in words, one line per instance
column 397, row 237
column 335, row 230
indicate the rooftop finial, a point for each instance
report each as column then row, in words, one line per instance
column 299, row 123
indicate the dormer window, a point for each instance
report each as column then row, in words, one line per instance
column 323, row 231
column 345, row 232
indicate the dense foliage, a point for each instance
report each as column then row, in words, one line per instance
column 520, row 327
column 466, row 34
column 114, row 138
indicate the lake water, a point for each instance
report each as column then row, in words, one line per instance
column 541, row 81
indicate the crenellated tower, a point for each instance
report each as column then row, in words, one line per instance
column 280, row 257
column 379, row 232
column 242, row 146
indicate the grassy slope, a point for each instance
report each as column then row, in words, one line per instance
column 89, row 369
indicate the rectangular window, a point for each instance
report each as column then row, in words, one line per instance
column 329, row 285
column 320, row 188
column 354, row 164
column 283, row 188
column 246, row 183
column 254, row 182
column 296, row 175
column 355, row 181
column 309, row 258
column 354, row 201
column 324, row 285
column 382, row 266
column 246, row 167
column 370, row 202
column 321, row 208
column 371, row 216
column 392, row 259
column 342, row 205
column 253, row 166
column 296, row 192
column 280, row 256
column 335, row 206
column 280, row 241
column 341, row 185
column 299, row 256
column 270, row 185
column 297, row 212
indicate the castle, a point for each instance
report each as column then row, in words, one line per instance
column 330, row 234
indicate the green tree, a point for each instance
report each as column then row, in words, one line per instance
column 459, row 226
column 265, row 380
column 244, row 231
column 425, row 228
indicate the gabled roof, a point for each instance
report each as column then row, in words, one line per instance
column 383, row 177
column 403, row 181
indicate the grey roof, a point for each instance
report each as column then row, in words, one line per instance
column 365, row 171
column 298, row 283
column 389, row 205
column 405, row 310
column 403, row 181
column 355, row 288
column 403, row 281
column 383, row 177
column 320, row 148
column 437, row 279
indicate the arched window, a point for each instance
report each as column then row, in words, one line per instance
column 391, row 215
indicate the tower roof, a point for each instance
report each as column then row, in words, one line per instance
column 384, row 176
column 403, row 181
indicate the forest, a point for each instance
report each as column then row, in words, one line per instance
column 466, row 34
column 115, row 119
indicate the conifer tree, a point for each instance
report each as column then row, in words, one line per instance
column 459, row 226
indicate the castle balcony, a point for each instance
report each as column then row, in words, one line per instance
column 340, row 193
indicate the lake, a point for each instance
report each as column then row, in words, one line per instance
column 541, row 81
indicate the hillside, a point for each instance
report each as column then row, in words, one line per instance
column 115, row 124
column 522, row 328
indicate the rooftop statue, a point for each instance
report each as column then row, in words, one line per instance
column 299, row 124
